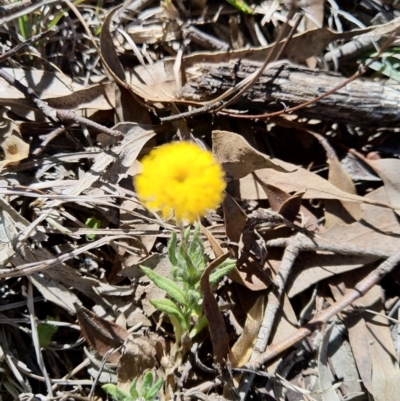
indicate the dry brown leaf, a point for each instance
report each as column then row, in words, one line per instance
column 325, row 375
column 147, row 226
column 54, row 292
column 128, row 108
column 237, row 157
column 215, row 246
column 359, row 341
column 338, row 176
column 241, row 351
column 108, row 51
column 314, row 19
column 389, row 171
column 314, row 186
column 377, row 363
column 235, row 218
column 135, row 137
column 343, row 363
column 216, row 324
column 287, row 205
column 101, row 334
column 378, row 230
column 58, row 90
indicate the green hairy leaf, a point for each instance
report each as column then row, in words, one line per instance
column 153, row 391
column 166, row 284
column 172, row 250
column 168, row 307
column 115, row 392
column 222, row 271
column 146, row 384
column 132, row 389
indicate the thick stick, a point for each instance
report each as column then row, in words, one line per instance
column 283, row 85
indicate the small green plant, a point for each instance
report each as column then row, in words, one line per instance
column 46, row 331
column 148, row 391
column 94, row 223
column 189, row 262
column 388, row 63
column 241, row 6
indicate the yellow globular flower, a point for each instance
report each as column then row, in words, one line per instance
column 180, row 178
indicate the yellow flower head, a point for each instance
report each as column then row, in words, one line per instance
column 180, row 178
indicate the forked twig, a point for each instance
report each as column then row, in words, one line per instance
column 361, row 288
column 294, row 246
column 273, row 303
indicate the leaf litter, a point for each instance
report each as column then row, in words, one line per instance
column 310, row 212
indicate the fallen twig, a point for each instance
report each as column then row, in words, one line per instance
column 294, row 245
column 273, row 303
column 359, row 290
column 55, row 115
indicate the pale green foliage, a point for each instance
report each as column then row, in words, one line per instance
column 148, row 391
column 188, row 264
column 388, row 63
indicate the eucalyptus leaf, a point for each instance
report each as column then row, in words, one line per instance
column 385, row 69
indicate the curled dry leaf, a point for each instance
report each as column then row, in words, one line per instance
column 101, row 334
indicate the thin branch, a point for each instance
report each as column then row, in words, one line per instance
column 357, row 74
column 46, row 139
column 361, row 288
column 28, row 42
column 55, row 115
column 273, row 303
column 192, row 113
column 270, row 57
